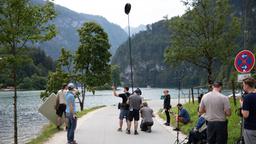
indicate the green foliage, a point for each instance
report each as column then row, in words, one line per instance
column 60, row 76
column 233, row 120
column 204, row 36
column 92, row 57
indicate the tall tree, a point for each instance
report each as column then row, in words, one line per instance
column 204, row 35
column 21, row 24
column 92, row 58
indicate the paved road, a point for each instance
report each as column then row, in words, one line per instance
column 100, row 127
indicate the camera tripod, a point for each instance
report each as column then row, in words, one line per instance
column 241, row 138
column 177, row 129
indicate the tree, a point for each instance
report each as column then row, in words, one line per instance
column 204, row 35
column 63, row 74
column 92, row 58
column 21, row 25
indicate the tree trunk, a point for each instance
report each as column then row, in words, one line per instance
column 15, row 104
column 209, row 70
column 83, row 96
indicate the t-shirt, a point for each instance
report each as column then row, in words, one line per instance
column 249, row 104
column 70, row 99
column 215, row 103
column 61, row 96
column 147, row 114
column 134, row 102
column 124, row 97
column 185, row 115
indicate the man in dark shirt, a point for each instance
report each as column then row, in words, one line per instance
column 167, row 106
column 248, row 104
column 124, row 107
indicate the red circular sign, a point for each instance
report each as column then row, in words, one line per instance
column 244, row 61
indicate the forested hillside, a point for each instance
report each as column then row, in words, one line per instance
column 67, row 23
column 32, row 73
column 148, row 58
column 148, row 49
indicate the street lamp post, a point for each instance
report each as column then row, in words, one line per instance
column 127, row 10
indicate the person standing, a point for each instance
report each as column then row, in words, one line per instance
column 167, row 106
column 216, row 107
column 124, row 107
column 70, row 113
column 134, row 102
column 147, row 115
column 248, row 104
column 61, row 105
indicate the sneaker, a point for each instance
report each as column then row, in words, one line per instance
column 58, row 127
column 128, row 132
column 176, row 129
column 119, row 130
column 167, row 124
column 136, row 132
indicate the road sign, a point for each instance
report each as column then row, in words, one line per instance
column 241, row 77
column 244, row 61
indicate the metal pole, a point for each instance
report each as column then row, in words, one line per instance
column 127, row 11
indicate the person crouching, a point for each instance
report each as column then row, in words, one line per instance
column 147, row 118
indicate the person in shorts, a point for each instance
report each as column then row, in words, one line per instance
column 61, row 105
column 123, row 106
column 134, row 102
column 248, row 104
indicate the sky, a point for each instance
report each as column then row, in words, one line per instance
column 142, row 11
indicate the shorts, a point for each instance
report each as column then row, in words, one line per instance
column 61, row 110
column 123, row 114
column 135, row 114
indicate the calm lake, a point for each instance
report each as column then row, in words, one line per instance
column 30, row 122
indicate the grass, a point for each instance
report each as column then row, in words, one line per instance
column 233, row 120
column 50, row 129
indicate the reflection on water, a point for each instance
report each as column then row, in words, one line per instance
column 30, row 122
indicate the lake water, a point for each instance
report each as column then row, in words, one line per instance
column 30, row 122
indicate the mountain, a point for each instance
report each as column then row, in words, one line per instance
column 148, row 60
column 67, row 23
column 135, row 30
column 148, row 54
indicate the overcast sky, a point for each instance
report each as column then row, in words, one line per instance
column 142, row 11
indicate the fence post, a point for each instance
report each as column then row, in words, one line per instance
column 189, row 92
column 192, row 92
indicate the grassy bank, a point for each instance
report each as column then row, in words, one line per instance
column 233, row 125
column 49, row 130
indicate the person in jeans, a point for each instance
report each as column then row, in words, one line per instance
column 216, row 107
column 147, row 115
column 183, row 116
column 134, row 102
column 248, row 104
column 167, row 106
column 70, row 113
column 124, row 107
column 61, row 105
